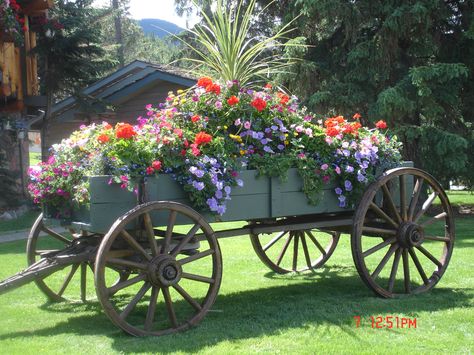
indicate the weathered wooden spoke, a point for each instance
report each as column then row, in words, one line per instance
column 160, row 269
column 150, row 315
column 378, row 247
column 393, row 272
column 62, row 284
column 169, row 307
column 275, row 252
column 402, row 226
column 133, row 303
column 283, row 250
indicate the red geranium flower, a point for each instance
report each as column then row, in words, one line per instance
column 283, row 98
column 195, row 118
column 381, row 124
column 356, row 116
column 215, row 88
column 259, row 104
column 156, row 165
column 124, row 130
column 149, row 170
column 103, row 138
column 202, row 138
column 204, row 82
column 332, row 131
column 233, row 100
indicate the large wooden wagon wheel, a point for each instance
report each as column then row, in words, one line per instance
column 403, row 233
column 44, row 241
column 295, row 251
column 175, row 279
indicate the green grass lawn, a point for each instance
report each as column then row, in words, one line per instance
column 35, row 158
column 461, row 197
column 260, row 311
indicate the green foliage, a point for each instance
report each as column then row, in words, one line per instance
column 8, row 183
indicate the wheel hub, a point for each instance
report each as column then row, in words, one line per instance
column 411, row 235
column 164, row 270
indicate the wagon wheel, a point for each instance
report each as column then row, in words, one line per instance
column 295, row 251
column 58, row 286
column 403, row 233
column 175, row 281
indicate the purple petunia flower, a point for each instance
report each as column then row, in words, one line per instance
column 348, row 185
column 349, row 169
column 198, row 185
column 338, row 190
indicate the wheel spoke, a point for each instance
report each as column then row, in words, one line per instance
column 430, row 256
column 274, row 240
column 315, row 242
column 68, row 279
column 388, row 198
column 305, row 250
column 426, row 205
column 378, row 247
column 199, row 278
column 393, row 273
column 418, row 266
column 406, row 271
column 383, row 215
column 403, row 198
column 83, row 281
column 150, row 233
column 127, row 263
column 283, row 250
column 146, row 286
column 381, row 231
column 41, row 252
column 134, row 244
column 196, row 256
column 188, row 297
column 384, row 261
column 126, row 283
column 169, row 231
column 434, row 219
column 185, row 240
column 150, row 314
column 295, row 251
column 169, row 306
column 437, row 239
column 55, row 235
column 414, row 199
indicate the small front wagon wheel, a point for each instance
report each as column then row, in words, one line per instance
column 403, row 233
column 295, row 251
column 175, row 269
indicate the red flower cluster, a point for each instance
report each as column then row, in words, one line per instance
column 233, row 100
column 283, row 98
column 195, row 118
column 124, row 130
column 381, row 124
column 259, row 104
column 103, row 138
column 338, row 125
column 202, row 138
column 206, row 82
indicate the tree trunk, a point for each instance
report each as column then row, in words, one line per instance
column 118, row 33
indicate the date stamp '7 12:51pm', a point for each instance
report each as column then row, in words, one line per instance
column 379, row 322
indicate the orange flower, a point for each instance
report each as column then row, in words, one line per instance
column 381, row 124
column 204, row 82
column 124, row 130
column 202, row 138
column 103, row 138
column 106, row 125
column 233, row 100
column 195, row 118
column 332, row 131
column 283, row 98
column 356, row 116
column 259, row 104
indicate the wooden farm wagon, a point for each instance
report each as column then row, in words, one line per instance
column 157, row 263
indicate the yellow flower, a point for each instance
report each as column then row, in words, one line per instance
column 286, row 142
column 238, row 139
column 225, row 127
column 242, row 152
column 295, row 134
column 179, row 91
column 183, row 101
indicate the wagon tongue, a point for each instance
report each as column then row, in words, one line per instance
column 49, row 264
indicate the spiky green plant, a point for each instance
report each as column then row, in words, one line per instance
column 226, row 51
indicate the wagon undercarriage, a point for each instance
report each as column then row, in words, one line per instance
column 155, row 278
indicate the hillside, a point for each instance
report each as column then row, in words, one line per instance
column 159, row 28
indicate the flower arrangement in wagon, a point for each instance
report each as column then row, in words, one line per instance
column 205, row 136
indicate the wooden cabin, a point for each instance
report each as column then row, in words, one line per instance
column 19, row 86
column 127, row 91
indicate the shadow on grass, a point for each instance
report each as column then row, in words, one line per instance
column 332, row 300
